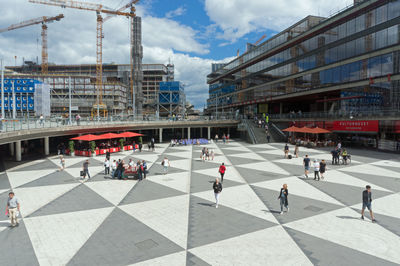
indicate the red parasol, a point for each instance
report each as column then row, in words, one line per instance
column 109, row 136
column 129, row 135
column 292, row 129
column 88, row 137
column 318, row 130
column 305, row 130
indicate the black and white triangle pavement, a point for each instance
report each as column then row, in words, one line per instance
column 171, row 219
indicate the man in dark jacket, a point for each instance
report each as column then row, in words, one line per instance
column 217, row 187
column 283, row 197
column 367, row 200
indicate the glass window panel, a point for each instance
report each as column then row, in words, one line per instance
column 374, row 67
column 360, row 46
column 336, row 75
column 333, row 34
column 350, row 27
column 345, row 73
column 381, row 14
column 350, row 49
column 393, row 9
column 341, row 51
column 387, row 64
column 370, row 18
column 360, row 23
column 381, row 39
column 355, row 71
column 342, row 31
column 393, row 35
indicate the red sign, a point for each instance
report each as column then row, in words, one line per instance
column 362, row 126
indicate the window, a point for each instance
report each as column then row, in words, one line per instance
column 393, row 9
column 350, row 49
column 393, row 35
column 360, row 46
column 387, row 64
column 342, row 31
column 374, row 67
column 345, row 73
column 360, row 23
column 381, row 39
column 381, row 14
column 350, row 27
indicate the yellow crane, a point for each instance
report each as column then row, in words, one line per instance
column 99, row 9
column 40, row 20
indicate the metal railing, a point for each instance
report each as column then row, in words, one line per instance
column 10, row 125
column 339, row 114
column 249, row 129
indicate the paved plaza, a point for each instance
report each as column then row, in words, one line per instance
column 172, row 220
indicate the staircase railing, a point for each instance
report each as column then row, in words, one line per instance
column 250, row 130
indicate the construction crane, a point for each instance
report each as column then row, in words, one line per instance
column 99, row 9
column 43, row 21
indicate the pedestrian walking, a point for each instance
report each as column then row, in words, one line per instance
column 78, row 119
column 306, row 163
column 286, row 150
column 367, row 201
column 144, row 169
column 316, row 169
column 222, row 170
column 208, row 154
column 217, row 187
column 165, row 163
column 216, row 138
column 227, row 138
column 113, row 168
column 120, row 169
column 212, row 154
column 268, row 137
column 335, row 156
column 140, row 170
column 224, row 138
column 140, row 147
column 108, row 155
column 322, row 168
column 13, row 209
column 41, row 120
column 283, row 198
column 106, row 167
column 86, row 169
column 296, row 151
column 62, row 163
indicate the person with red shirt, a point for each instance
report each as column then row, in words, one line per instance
column 222, row 170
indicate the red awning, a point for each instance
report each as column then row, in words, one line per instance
column 88, row 137
column 129, row 135
column 292, row 129
column 306, row 130
column 109, row 136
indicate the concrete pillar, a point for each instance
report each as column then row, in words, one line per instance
column 46, row 146
column 183, row 133
column 280, row 108
column 325, row 105
column 12, row 149
column 188, row 132
column 209, row 132
column 201, row 132
column 18, row 150
column 160, row 135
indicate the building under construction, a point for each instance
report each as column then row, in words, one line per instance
column 116, row 79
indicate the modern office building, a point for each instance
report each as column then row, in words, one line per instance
column 346, row 65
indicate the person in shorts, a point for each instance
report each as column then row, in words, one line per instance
column 306, row 163
column 286, row 150
column 367, row 201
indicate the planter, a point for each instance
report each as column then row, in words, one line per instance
column 72, row 154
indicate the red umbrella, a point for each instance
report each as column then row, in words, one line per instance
column 109, row 136
column 88, row 137
column 291, row 129
column 306, row 130
column 318, row 130
column 129, row 135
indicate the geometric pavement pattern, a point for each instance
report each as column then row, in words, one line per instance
column 171, row 219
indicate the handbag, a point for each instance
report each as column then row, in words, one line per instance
column 82, row 173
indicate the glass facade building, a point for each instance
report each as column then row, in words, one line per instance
column 346, row 63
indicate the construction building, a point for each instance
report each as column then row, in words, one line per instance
column 116, row 85
column 345, row 67
column 171, row 99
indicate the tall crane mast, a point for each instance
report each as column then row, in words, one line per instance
column 99, row 9
column 43, row 21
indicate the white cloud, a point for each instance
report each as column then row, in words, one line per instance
column 238, row 17
column 176, row 13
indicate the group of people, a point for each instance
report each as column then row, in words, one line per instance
column 339, row 151
column 185, row 142
column 225, row 138
column 319, row 168
column 206, row 154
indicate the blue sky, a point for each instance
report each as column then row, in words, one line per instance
column 192, row 34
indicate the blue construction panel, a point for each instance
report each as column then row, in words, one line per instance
column 171, row 86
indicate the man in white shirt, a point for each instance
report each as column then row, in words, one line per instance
column 12, row 209
column 316, row 169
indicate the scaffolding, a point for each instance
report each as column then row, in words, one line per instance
column 171, row 99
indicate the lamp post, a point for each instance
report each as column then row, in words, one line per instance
column 2, row 90
column 216, row 106
column 70, row 100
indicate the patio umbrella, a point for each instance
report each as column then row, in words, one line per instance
column 129, row 134
column 109, row 136
column 319, row 130
column 291, row 129
column 306, row 130
column 88, row 137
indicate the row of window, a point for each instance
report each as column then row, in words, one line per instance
column 364, row 21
